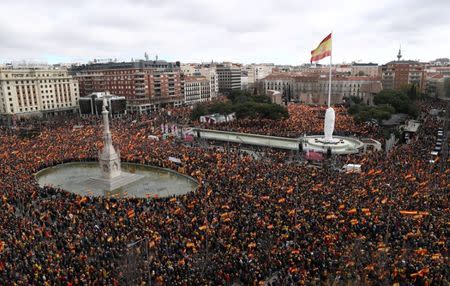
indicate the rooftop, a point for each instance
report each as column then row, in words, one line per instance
column 126, row 65
column 364, row 64
column 194, row 78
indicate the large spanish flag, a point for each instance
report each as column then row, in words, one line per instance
column 323, row 50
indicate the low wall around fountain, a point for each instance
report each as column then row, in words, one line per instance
column 346, row 145
column 156, row 181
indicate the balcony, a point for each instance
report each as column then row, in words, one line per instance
column 155, row 100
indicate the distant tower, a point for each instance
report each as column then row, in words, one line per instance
column 146, row 56
column 399, row 55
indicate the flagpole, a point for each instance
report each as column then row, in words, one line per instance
column 329, row 83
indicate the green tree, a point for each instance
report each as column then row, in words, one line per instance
column 399, row 100
column 366, row 113
column 411, row 90
column 447, row 87
column 199, row 110
column 245, row 106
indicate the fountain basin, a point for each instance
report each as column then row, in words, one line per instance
column 150, row 182
column 339, row 144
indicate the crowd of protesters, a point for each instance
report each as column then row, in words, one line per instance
column 249, row 222
column 303, row 119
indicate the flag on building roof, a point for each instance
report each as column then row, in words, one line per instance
column 323, row 50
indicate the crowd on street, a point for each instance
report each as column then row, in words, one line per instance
column 303, row 119
column 249, row 222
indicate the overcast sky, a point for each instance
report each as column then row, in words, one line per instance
column 277, row 31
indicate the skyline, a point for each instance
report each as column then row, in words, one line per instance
column 268, row 31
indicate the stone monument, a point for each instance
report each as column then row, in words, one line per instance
column 329, row 125
column 112, row 177
column 108, row 157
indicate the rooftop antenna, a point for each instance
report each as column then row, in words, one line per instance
column 399, row 55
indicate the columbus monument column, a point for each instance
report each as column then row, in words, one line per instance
column 111, row 177
column 108, row 157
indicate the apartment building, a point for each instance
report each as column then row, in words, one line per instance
column 206, row 70
column 196, row 90
column 147, row 85
column 36, row 91
column 254, row 73
column 313, row 89
column 365, row 69
column 398, row 74
column 229, row 77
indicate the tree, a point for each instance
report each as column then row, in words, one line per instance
column 411, row 90
column 447, row 87
column 365, row 113
column 399, row 100
column 244, row 105
column 199, row 110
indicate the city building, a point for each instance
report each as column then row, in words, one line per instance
column 365, row 69
column 206, row 70
column 437, row 79
column 196, row 89
column 211, row 74
column 438, row 85
column 244, row 80
column 36, row 91
column 281, row 82
column 313, row 89
column 229, row 77
column 400, row 73
column 93, row 103
column 440, row 62
column 275, row 97
column 254, row 73
column 146, row 85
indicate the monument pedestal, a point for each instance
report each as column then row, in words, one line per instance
column 109, row 185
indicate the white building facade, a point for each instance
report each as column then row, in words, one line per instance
column 365, row 69
column 208, row 71
column 314, row 89
column 196, row 89
column 27, row 92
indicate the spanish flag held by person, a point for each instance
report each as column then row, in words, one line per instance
column 323, row 50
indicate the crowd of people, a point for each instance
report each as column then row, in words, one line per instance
column 303, row 119
column 249, row 222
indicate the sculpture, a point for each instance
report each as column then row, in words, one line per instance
column 329, row 124
column 109, row 158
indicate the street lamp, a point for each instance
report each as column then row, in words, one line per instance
column 131, row 245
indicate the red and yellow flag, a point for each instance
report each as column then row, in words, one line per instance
column 130, row 213
column 323, row 50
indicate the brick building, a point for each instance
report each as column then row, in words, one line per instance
column 147, row 85
column 398, row 74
